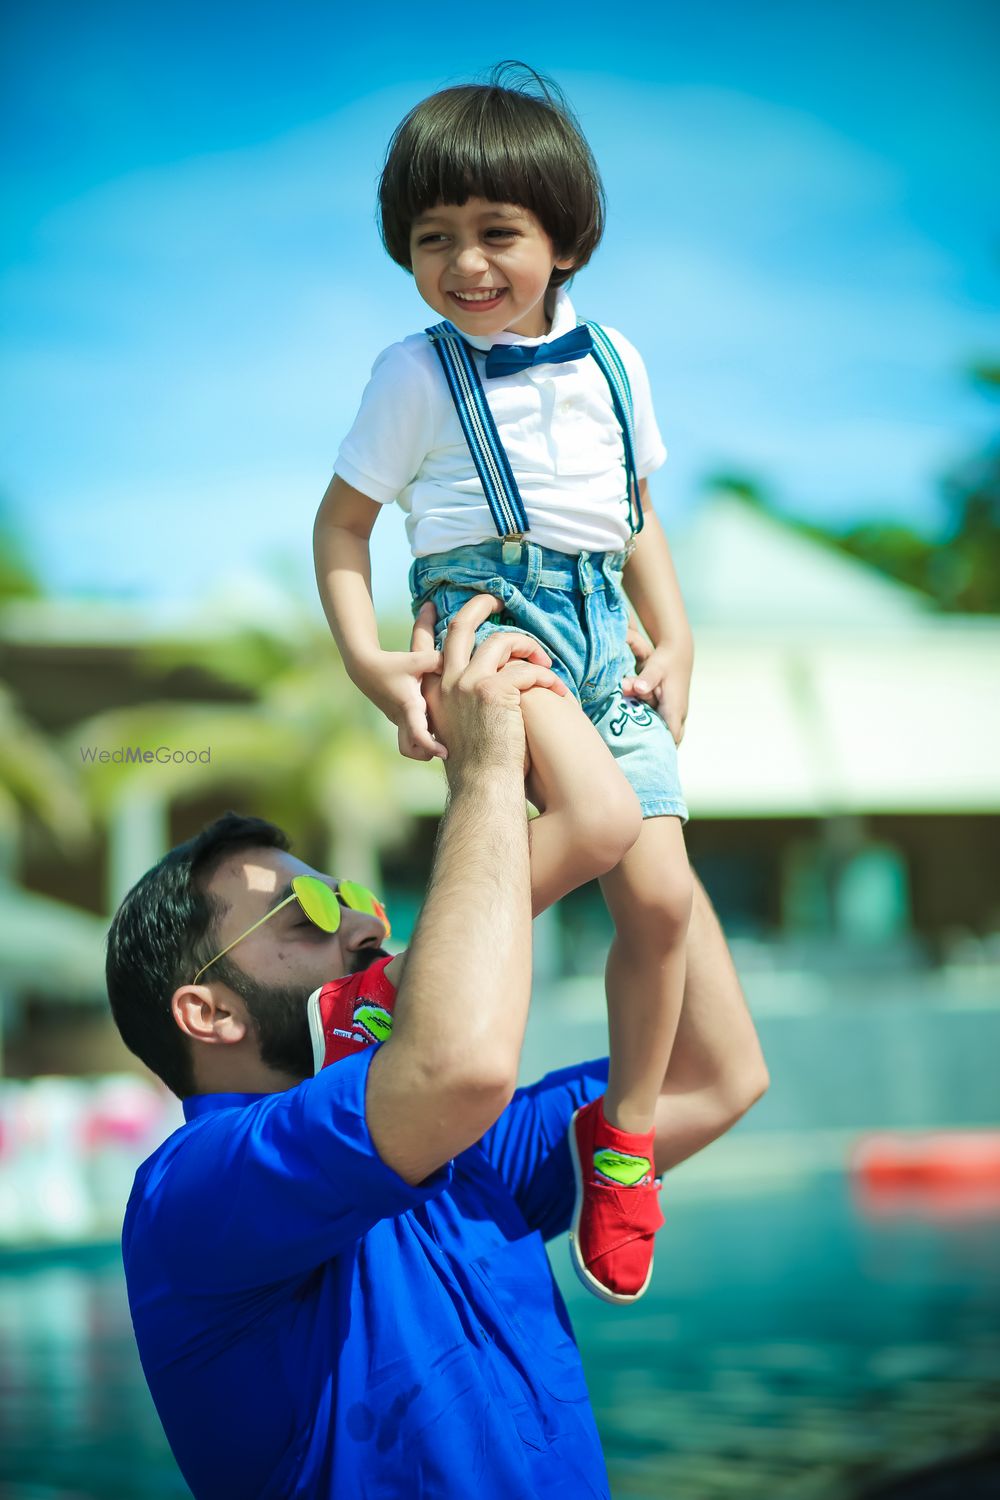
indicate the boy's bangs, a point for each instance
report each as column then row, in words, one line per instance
column 476, row 159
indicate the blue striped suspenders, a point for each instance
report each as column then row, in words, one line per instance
column 613, row 370
column 488, row 454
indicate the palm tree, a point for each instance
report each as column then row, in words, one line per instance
column 36, row 779
column 301, row 744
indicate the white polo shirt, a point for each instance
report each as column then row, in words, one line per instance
column 556, row 422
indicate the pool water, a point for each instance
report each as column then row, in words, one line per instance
column 789, row 1348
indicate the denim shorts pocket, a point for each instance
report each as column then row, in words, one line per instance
column 451, row 594
column 424, row 578
column 614, row 591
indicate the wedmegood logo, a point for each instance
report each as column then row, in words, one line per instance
column 136, row 755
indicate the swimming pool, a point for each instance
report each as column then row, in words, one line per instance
column 790, row 1348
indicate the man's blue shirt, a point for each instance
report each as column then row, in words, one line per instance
column 311, row 1325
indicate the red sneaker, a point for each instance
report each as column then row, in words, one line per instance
column 349, row 1013
column 617, row 1209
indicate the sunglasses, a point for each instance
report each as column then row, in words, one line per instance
column 321, row 903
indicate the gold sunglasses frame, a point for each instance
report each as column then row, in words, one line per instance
column 313, row 879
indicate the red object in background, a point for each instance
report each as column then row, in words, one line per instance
column 951, row 1174
column 123, row 1111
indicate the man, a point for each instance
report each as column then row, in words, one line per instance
column 338, row 1282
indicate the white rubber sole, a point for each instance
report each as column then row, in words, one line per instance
column 316, row 1030
column 595, row 1287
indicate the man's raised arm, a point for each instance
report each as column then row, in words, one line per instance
column 450, row 1067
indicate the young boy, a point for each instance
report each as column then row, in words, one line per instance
column 518, row 442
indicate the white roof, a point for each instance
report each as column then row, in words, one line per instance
column 740, row 566
column 50, row 948
column 813, row 723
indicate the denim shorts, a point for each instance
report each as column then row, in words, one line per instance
column 575, row 608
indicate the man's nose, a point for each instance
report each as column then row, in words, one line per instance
column 358, row 928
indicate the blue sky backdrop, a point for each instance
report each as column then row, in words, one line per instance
column 802, row 240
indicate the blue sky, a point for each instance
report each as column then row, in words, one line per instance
column 802, row 241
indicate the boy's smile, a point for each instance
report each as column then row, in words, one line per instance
column 485, row 266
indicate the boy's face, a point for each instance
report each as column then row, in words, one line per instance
column 485, row 266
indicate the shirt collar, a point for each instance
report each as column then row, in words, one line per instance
column 204, row 1104
column 563, row 321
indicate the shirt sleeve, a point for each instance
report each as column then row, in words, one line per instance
column 266, row 1191
column 394, row 429
column 650, row 452
column 528, row 1145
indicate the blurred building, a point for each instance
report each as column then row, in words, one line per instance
column 840, row 766
column 841, row 761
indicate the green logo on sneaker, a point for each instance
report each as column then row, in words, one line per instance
column 374, row 1021
column 620, row 1168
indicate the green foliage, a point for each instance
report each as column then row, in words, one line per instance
column 37, row 779
column 960, row 568
column 304, row 747
column 743, row 486
column 17, row 577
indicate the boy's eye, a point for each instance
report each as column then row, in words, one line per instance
column 430, row 239
column 506, row 234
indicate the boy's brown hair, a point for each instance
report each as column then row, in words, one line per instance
column 513, row 139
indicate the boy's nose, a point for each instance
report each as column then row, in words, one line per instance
column 469, row 260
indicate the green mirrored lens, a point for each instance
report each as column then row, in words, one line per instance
column 358, row 897
column 317, row 901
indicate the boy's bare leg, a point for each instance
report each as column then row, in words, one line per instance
column 716, row 1070
column 649, row 898
column 589, row 815
column 590, row 820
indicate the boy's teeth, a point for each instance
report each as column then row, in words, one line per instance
column 483, row 296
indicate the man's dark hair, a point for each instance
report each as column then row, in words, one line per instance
column 163, row 932
column 513, row 139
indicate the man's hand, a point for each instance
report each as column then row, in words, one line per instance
column 663, row 679
column 474, row 702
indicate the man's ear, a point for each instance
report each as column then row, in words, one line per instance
column 205, row 1016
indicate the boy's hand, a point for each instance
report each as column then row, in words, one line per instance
column 392, row 681
column 663, row 679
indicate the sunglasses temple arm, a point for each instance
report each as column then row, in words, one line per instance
column 259, row 923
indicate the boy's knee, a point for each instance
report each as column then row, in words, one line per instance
column 606, row 829
column 741, row 1087
column 662, row 912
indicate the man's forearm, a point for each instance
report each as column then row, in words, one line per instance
column 463, row 1001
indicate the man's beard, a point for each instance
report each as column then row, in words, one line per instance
column 278, row 1013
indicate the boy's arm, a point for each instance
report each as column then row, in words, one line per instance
column 391, row 679
column 650, row 582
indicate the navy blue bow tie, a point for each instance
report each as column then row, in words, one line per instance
column 509, row 359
